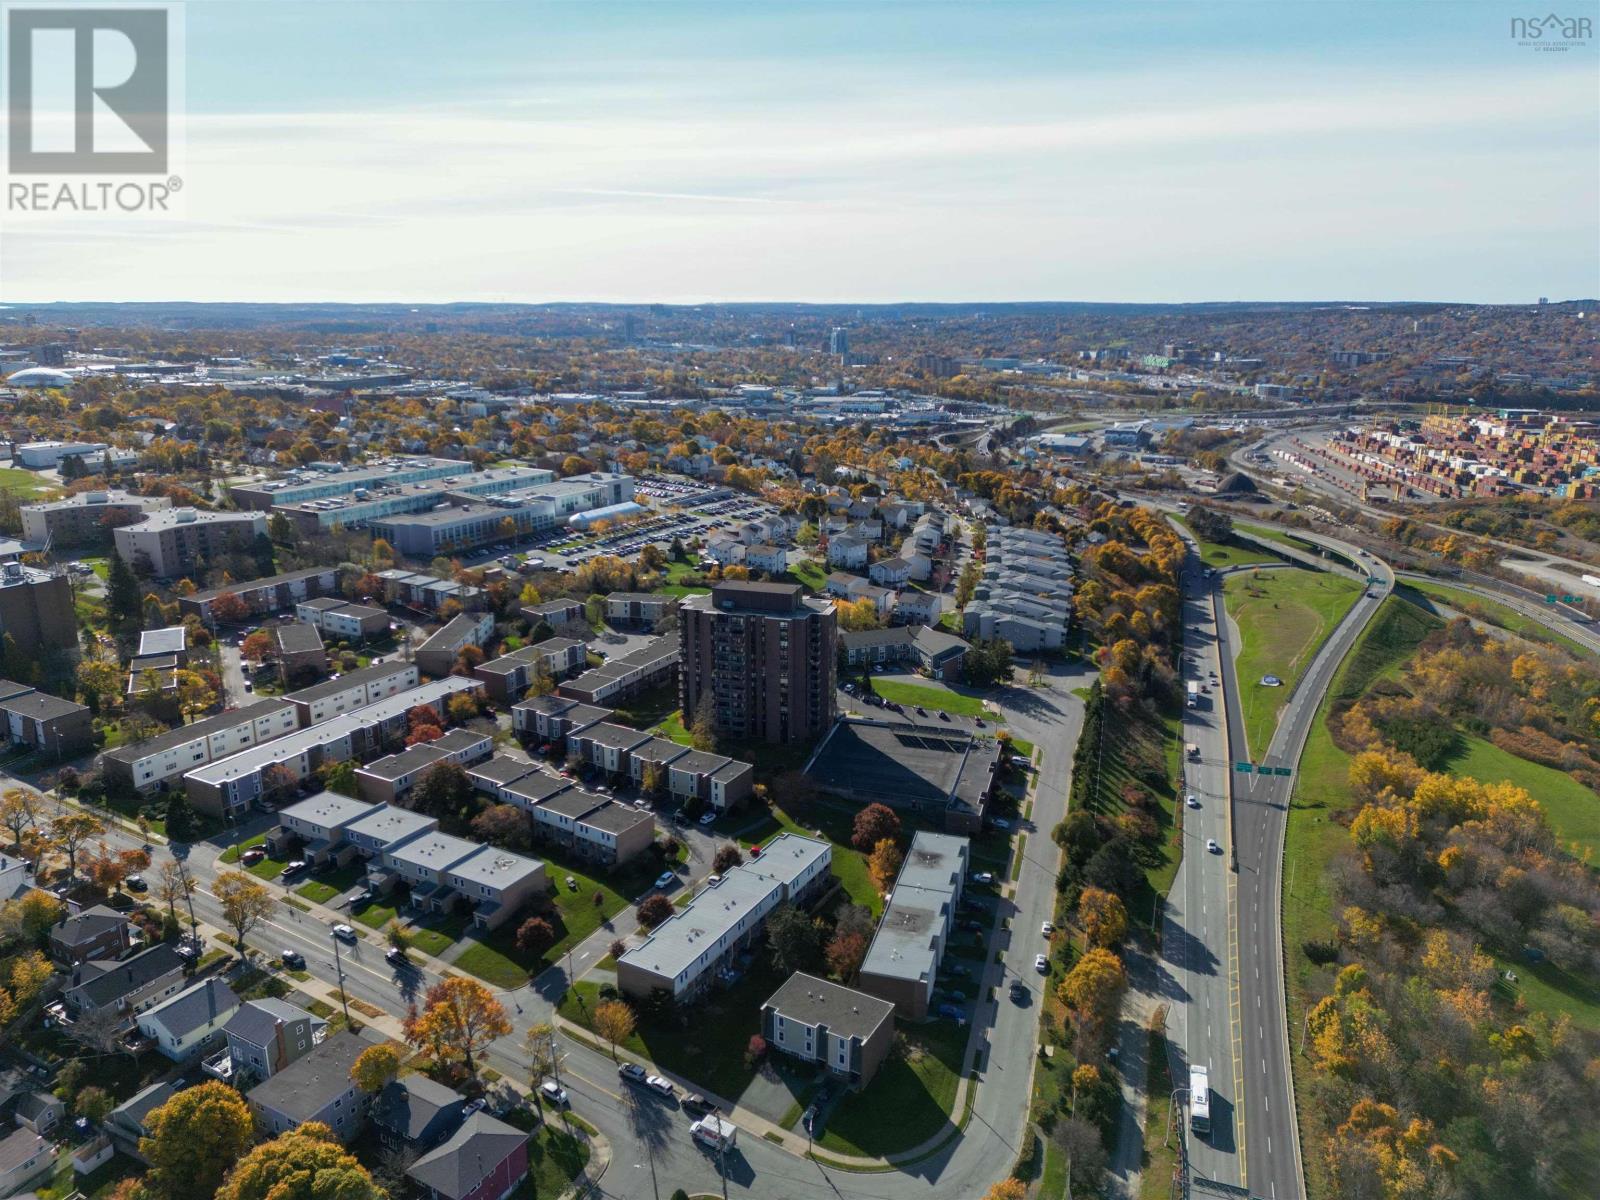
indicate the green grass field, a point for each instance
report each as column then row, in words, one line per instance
column 1282, row 617
column 1573, row 809
column 1216, row 554
column 937, row 699
column 1489, row 611
column 909, row 1100
column 25, row 484
column 494, row 957
column 809, row 573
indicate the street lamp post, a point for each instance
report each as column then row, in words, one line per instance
column 338, row 968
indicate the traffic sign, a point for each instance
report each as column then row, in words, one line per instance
column 1550, row 599
column 1244, row 768
column 1569, row 599
column 1285, row 771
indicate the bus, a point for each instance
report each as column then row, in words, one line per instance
column 1199, row 1100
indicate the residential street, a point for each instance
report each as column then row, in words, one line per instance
column 653, row 1153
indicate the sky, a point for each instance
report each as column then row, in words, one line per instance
column 835, row 151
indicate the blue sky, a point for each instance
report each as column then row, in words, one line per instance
column 470, row 150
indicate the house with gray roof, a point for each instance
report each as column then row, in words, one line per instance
column 315, row 1087
column 263, row 1037
column 128, row 986
column 415, row 1113
column 183, row 1025
column 483, row 1160
column 127, row 1123
column 96, row 932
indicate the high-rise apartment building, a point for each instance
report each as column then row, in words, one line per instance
column 764, row 654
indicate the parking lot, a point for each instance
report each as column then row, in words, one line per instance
column 563, row 549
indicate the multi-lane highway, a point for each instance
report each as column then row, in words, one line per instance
column 1261, row 810
column 1197, row 943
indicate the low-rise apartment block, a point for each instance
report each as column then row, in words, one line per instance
column 509, row 677
column 354, row 690
column 232, row 785
column 428, row 593
column 445, row 871
column 266, row 596
column 903, row 961
column 547, row 720
column 54, row 727
column 690, row 952
column 390, row 779
column 150, row 763
column 652, row 665
column 88, row 517
column 437, row 655
column 342, row 620
column 181, row 540
column 941, row 655
column 638, row 610
column 826, row 1024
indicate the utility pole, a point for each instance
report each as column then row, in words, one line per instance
column 338, row 969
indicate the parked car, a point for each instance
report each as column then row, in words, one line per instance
column 696, row 1103
column 252, row 856
column 659, row 1085
column 1001, row 824
column 1019, row 990
column 1192, row 800
column 294, row 868
column 632, row 1072
column 981, row 877
column 553, row 1093
column 136, row 883
column 952, row 1011
column 292, row 959
column 1041, row 964
column 665, row 880
column 360, row 898
column 1047, row 928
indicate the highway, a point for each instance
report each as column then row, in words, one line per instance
column 1196, row 944
column 1261, row 806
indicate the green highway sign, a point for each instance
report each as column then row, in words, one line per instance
column 1569, row 599
column 1549, row 599
column 1244, row 768
column 1285, row 771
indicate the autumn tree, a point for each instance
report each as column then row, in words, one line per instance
column 306, row 1163
column 1102, row 917
column 1093, row 988
column 540, row 1042
column 873, row 824
column 502, row 825
column 846, row 951
column 884, row 864
column 258, row 647
column 703, row 730
column 19, row 812
column 227, row 608
column 376, row 1067
column 443, row 791
column 94, row 1104
column 1007, row 1189
column 29, row 918
column 245, row 901
column 28, row 974
column 654, row 909
column 615, row 1021
column 727, row 857
column 460, row 1017
column 194, row 1140
column 535, row 936
column 70, row 831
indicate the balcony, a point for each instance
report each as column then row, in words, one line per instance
column 219, row 1065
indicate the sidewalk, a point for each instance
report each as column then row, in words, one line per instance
column 754, row 1123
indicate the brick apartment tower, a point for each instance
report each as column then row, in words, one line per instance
column 764, row 652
